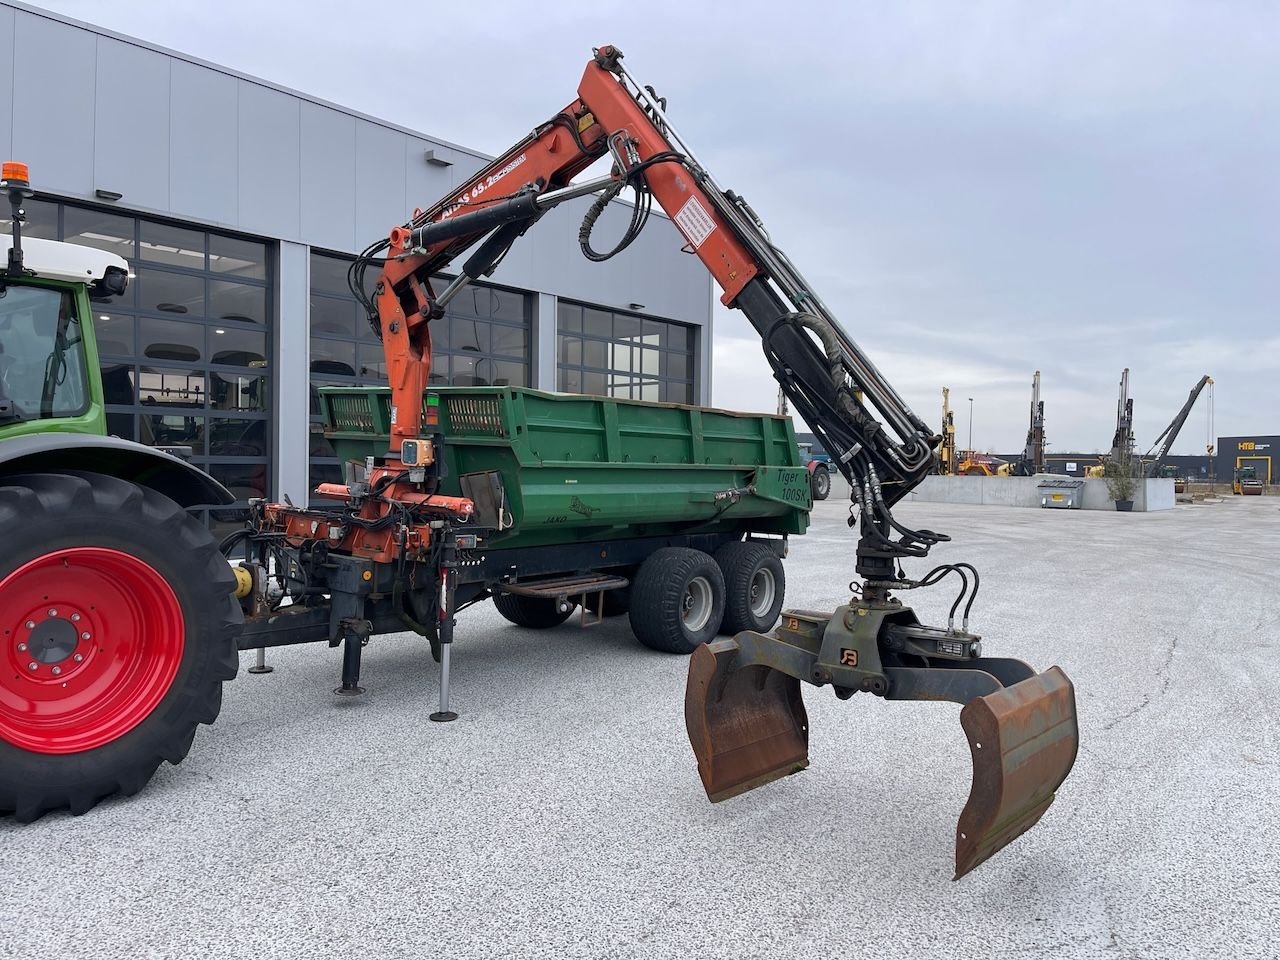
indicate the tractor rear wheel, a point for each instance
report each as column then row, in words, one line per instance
column 118, row 626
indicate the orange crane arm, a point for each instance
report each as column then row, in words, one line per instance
column 881, row 447
column 511, row 193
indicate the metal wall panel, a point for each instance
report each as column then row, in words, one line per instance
column 269, row 141
column 203, row 168
column 425, row 183
column 6, row 83
column 380, row 182
column 292, row 355
column 327, row 179
column 53, row 89
column 131, row 124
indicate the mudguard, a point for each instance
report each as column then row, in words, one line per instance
column 186, row 485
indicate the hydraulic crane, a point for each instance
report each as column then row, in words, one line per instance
column 745, row 717
column 1163, row 443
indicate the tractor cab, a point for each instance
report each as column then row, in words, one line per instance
column 48, row 357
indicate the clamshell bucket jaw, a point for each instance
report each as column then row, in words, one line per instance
column 747, row 724
column 1023, row 740
column 748, row 727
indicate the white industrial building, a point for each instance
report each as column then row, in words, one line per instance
column 238, row 204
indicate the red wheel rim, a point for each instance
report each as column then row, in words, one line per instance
column 92, row 639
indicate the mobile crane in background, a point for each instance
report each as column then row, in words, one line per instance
column 401, row 537
column 1164, row 443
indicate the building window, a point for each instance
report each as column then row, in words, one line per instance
column 185, row 353
column 483, row 340
column 612, row 354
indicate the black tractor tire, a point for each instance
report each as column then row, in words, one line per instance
column 820, row 483
column 616, row 602
column 536, row 613
column 677, row 600
column 754, row 586
column 138, row 581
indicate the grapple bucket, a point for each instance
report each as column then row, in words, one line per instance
column 747, row 726
column 1023, row 739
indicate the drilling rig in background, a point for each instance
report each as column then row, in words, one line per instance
column 984, row 464
column 947, row 451
column 1122, row 442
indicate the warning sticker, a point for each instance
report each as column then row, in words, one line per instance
column 694, row 222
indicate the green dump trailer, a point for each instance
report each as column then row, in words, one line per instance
column 676, row 515
column 565, row 468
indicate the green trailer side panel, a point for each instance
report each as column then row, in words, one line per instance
column 591, row 468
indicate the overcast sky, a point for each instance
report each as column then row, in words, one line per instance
column 979, row 190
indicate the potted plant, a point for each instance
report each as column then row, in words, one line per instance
column 1122, row 479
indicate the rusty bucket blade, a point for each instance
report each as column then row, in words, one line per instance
column 746, row 721
column 1023, row 740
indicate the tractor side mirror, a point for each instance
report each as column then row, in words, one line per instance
column 113, row 284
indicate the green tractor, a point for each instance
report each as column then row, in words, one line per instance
column 118, row 621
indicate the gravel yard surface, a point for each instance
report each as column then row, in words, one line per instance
column 561, row 816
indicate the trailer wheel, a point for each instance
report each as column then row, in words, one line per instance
column 754, row 584
column 677, row 600
column 118, row 626
column 820, row 483
column 536, row 613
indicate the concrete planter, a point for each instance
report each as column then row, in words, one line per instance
column 1148, row 495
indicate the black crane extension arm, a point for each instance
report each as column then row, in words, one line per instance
column 1164, row 443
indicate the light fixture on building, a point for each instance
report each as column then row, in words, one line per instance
column 436, row 161
column 219, row 331
column 636, row 306
column 107, row 195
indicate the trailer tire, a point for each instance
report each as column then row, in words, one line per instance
column 754, row 585
column 820, row 483
column 677, row 600
column 117, row 616
column 536, row 613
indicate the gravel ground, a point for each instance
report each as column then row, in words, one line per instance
column 561, row 815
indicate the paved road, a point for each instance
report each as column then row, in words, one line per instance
column 562, row 817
